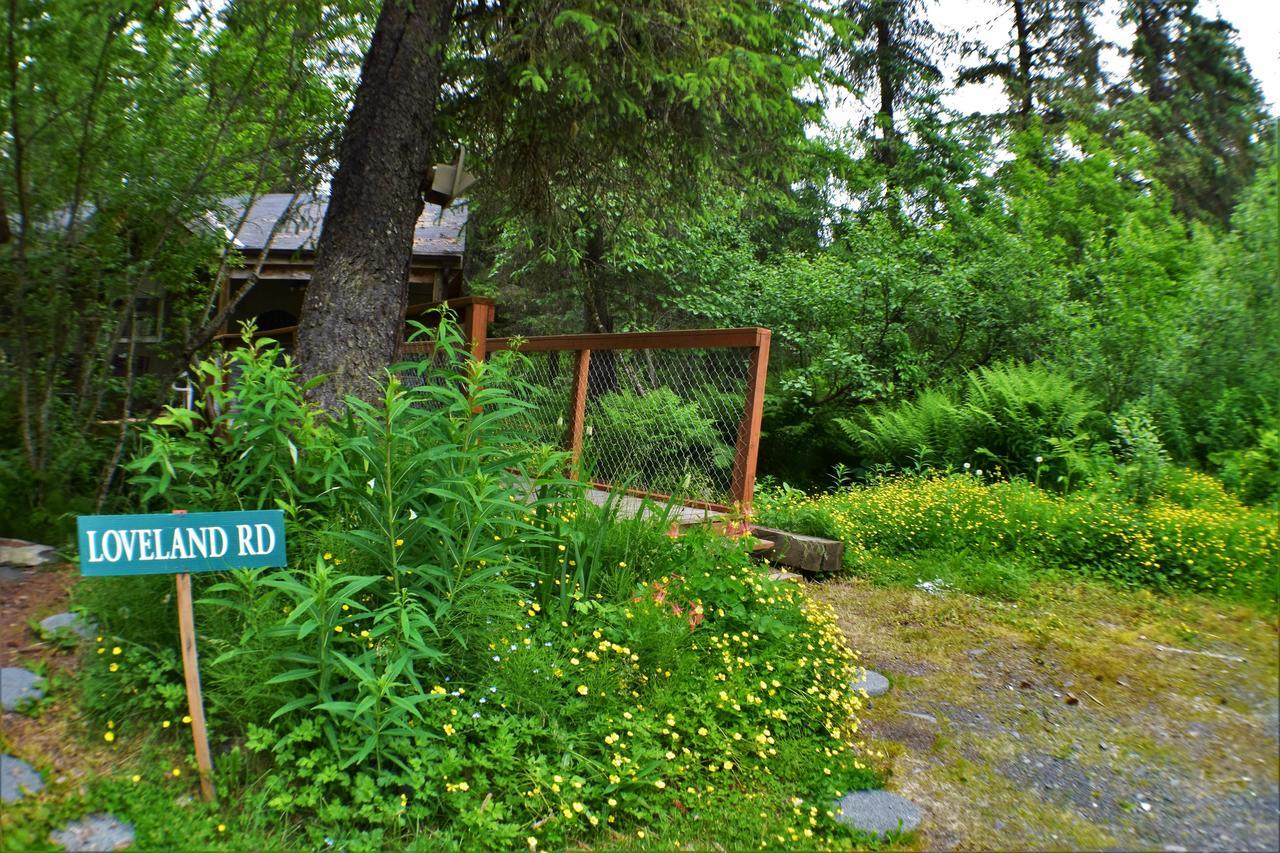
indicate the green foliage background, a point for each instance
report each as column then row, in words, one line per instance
column 662, row 165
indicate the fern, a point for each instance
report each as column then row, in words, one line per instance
column 1012, row 420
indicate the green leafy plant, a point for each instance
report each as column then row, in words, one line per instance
column 1015, row 420
column 464, row 641
column 1192, row 537
column 1140, row 453
column 658, row 440
column 252, row 441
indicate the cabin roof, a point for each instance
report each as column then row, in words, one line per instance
column 437, row 233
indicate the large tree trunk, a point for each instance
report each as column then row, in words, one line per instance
column 602, row 373
column 1151, row 47
column 352, row 314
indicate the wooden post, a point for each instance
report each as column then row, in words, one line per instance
column 475, row 322
column 748, row 444
column 578, row 405
column 224, row 299
column 191, row 671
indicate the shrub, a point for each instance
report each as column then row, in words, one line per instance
column 1141, row 457
column 692, row 685
column 465, row 650
column 1254, row 473
column 252, row 441
column 659, row 440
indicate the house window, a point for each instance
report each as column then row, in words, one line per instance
column 120, row 366
column 148, row 320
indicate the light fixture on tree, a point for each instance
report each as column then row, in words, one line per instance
column 449, row 181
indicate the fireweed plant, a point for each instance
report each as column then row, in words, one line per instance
column 466, row 650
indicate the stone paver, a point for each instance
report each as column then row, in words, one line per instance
column 872, row 682
column 17, row 684
column 15, row 775
column 99, row 831
column 877, row 812
column 23, row 554
column 68, row 621
column 8, row 574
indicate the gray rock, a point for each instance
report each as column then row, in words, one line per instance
column 877, row 812
column 18, row 552
column 94, row 832
column 10, row 574
column 69, row 622
column 872, row 682
column 17, row 684
column 15, row 775
column 920, row 715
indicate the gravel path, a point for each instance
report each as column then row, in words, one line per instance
column 1060, row 722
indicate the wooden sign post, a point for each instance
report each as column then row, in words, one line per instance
column 191, row 674
column 182, row 543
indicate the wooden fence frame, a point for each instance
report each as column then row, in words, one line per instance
column 477, row 314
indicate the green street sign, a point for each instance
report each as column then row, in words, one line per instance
column 186, row 542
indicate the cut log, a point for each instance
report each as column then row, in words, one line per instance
column 807, row 553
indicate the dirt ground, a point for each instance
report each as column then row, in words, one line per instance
column 29, row 595
column 1078, row 717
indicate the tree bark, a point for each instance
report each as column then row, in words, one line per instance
column 602, row 376
column 352, row 311
column 887, row 78
column 1151, row 47
column 1023, row 37
column 887, row 151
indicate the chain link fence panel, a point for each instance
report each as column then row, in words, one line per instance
column 658, row 421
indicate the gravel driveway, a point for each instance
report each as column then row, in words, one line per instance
column 1078, row 717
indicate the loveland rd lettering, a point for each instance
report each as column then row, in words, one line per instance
column 160, row 544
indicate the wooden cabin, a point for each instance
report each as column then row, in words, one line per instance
column 287, row 227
